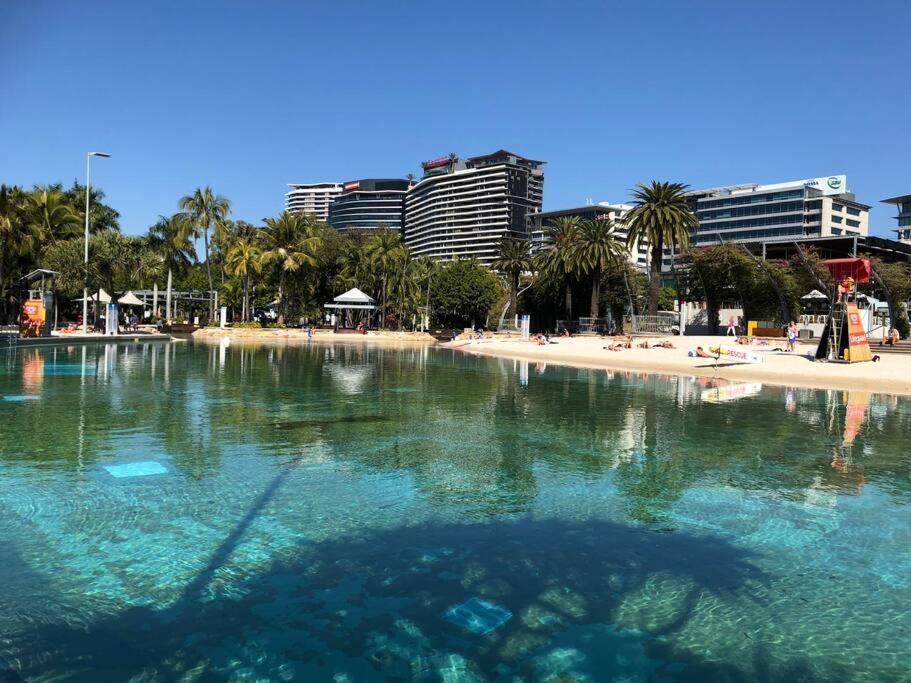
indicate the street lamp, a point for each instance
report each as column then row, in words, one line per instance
column 85, row 288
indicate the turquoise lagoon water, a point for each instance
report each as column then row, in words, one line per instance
column 336, row 513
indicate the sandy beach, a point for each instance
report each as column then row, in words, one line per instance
column 891, row 375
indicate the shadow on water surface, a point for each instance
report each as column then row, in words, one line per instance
column 372, row 606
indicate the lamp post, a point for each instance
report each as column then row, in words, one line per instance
column 88, row 192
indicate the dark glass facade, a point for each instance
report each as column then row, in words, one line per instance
column 785, row 213
column 369, row 204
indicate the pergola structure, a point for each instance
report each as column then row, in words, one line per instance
column 352, row 308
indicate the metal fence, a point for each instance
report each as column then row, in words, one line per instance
column 661, row 324
column 595, row 325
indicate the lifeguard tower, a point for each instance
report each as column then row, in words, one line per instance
column 843, row 338
column 38, row 311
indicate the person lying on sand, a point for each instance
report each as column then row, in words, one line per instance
column 643, row 344
column 614, row 347
column 699, row 353
column 664, row 345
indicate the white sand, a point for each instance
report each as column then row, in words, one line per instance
column 891, row 375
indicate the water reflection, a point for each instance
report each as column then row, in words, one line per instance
column 658, row 513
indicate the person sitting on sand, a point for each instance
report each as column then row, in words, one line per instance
column 664, row 345
column 891, row 338
column 566, row 332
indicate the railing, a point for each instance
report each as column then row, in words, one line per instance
column 663, row 323
column 595, row 325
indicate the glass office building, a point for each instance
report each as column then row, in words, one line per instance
column 369, row 204
column 814, row 207
column 903, row 204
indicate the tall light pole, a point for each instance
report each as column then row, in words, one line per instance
column 88, row 192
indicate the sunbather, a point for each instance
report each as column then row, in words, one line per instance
column 665, row 345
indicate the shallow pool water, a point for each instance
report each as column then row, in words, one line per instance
column 339, row 513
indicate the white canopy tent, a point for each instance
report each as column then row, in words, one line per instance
column 354, row 306
column 815, row 295
column 130, row 299
column 102, row 296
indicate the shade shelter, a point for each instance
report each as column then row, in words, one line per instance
column 352, row 309
column 101, row 297
column 130, row 299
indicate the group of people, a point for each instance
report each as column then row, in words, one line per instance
column 626, row 342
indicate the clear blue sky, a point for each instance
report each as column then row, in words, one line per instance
column 249, row 96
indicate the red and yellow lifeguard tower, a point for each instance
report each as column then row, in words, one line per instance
column 844, row 339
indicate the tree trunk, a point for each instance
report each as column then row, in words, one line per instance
column 167, row 304
column 383, row 321
column 244, row 316
column 281, row 298
column 209, row 273
column 596, row 293
column 654, row 283
column 514, row 294
column 569, row 300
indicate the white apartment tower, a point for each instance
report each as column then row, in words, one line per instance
column 312, row 198
column 464, row 208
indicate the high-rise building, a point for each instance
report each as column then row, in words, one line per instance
column 603, row 211
column 815, row 207
column 369, row 204
column 903, row 204
column 464, row 208
column 312, row 198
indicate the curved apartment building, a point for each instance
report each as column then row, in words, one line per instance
column 369, row 204
column 464, row 208
column 312, row 198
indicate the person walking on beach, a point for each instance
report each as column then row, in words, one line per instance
column 792, row 336
column 732, row 327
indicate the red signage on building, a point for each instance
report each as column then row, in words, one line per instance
column 352, row 185
column 433, row 163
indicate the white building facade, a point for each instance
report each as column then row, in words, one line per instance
column 312, row 198
column 464, row 208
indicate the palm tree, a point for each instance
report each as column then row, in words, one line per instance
column 172, row 239
column 51, row 216
column 17, row 239
column 596, row 248
column 291, row 241
column 242, row 260
column 661, row 216
column 453, row 158
column 559, row 259
column 410, row 178
column 404, row 286
column 207, row 210
column 514, row 259
column 383, row 248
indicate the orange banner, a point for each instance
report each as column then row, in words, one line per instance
column 859, row 348
column 31, row 321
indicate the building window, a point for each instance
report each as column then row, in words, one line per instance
column 836, row 219
column 852, row 211
column 837, row 207
column 836, row 231
column 853, row 224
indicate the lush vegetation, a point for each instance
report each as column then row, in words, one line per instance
column 295, row 264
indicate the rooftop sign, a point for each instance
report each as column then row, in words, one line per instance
column 353, row 185
column 433, row 163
